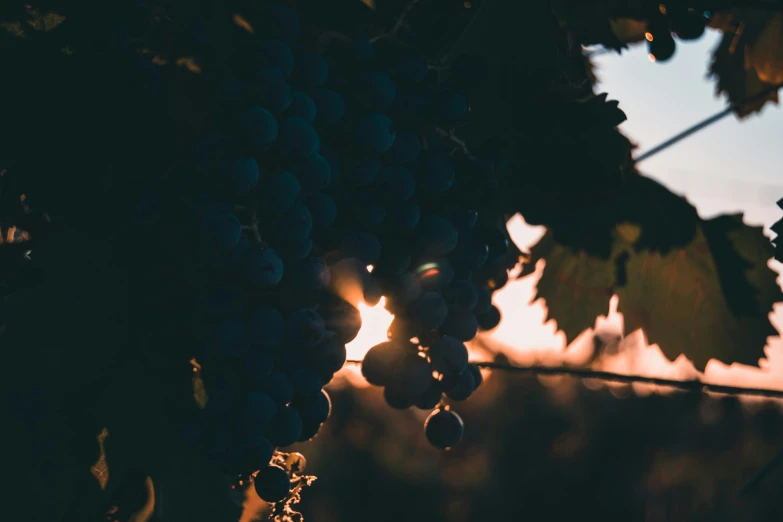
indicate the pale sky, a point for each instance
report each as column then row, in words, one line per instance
column 729, row 166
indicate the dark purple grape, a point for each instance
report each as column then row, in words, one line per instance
column 444, row 428
column 272, row 483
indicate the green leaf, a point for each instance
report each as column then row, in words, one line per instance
column 708, row 300
column 575, row 286
column 742, row 54
column 708, row 295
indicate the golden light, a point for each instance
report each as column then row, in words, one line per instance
column 525, row 337
column 648, row 35
column 651, row 57
column 376, row 321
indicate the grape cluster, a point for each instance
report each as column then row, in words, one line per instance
column 270, row 334
column 403, row 201
column 333, row 177
column 685, row 23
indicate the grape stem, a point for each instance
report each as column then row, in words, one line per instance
column 449, row 135
column 688, row 386
column 400, row 22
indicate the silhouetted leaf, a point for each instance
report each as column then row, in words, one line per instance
column 576, row 287
column 706, row 293
column 750, row 60
column 710, row 299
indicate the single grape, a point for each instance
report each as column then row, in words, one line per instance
column 328, row 356
column 278, row 191
column 296, row 224
column 313, row 172
column 434, row 274
column 394, row 184
column 405, row 288
column 279, row 21
column 266, row 329
column 310, row 70
column 253, row 455
column 314, row 409
column 258, row 413
column 405, row 215
column 436, row 171
column 430, row 398
column 373, row 291
column 341, row 317
column 268, row 89
column 483, row 300
column 323, row 209
column 429, row 311
column 264, row 267
column 306, row 382
column 462, row 295
column 312, row 275
column 660, row 45
column 490, row 319
column 443, row 428
column 274, row 53
column 304, row 327
column 436, row 235
column 285, row 428
column 413, row 376
column 448, row 355
column 383, row 361
column 475, row 371
column 256, row 366
column 278, row 388
column 362, row 246
column 462, row 325
column 405, row 149
column 330, row 106
column 298, row 138
column 272, row 483
column 364, row 173
column 459, row 387
column 302, row 106
column 374, row 132
column 243, row 175
column 376, row 91
column 471, row 252
column 295, row 462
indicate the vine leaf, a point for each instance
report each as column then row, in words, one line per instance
column 709, row 298
column 749, row 57
column 575, row 286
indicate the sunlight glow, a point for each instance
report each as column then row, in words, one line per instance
column 527, row 338
column 376, row 321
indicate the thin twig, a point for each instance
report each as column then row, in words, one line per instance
column 400, row 22
column 689, row 386
column 449, row 135
column 707, row 122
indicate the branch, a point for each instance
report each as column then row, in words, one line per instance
column 689, row 386
column 400, row 22
column 707, row 122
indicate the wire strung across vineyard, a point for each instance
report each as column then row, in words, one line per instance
column 582, row 373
